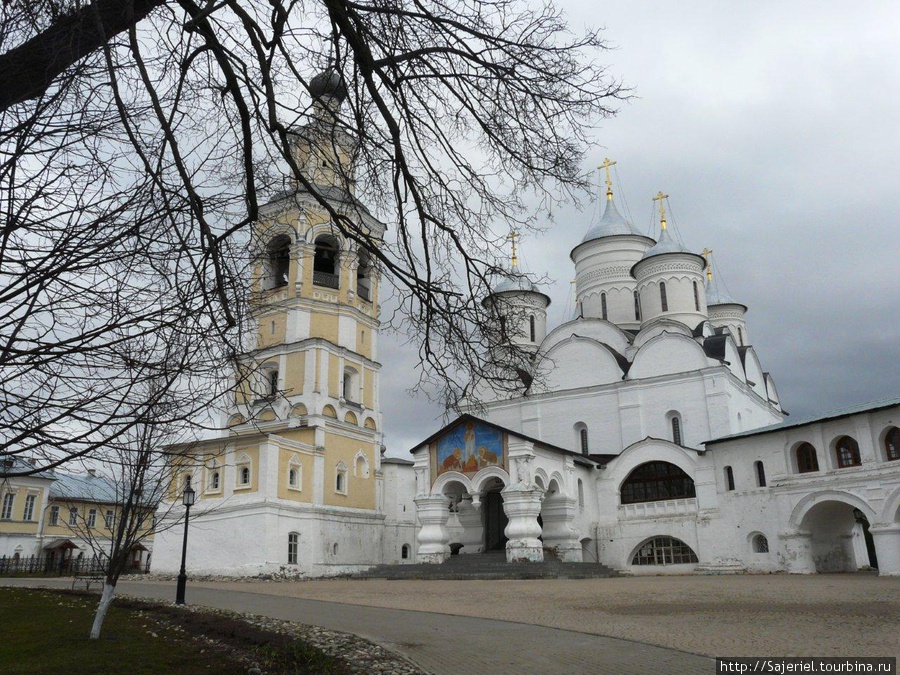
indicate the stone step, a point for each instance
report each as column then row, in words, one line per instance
column 490, row 566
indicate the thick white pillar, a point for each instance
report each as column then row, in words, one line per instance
column 798, row 546
column 522, row 504
column 887, row 548
column 557, row 514
column 473, row 531
column 433, row 539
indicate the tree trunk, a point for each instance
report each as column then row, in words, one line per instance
column 105, row 601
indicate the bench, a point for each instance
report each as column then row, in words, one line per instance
column 88, row 579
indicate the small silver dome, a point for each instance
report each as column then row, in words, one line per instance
column 665, row 244
column 328, row 83
column 715, row 295
column 612, row 223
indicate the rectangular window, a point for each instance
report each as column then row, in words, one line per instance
column 29, row 507
column 109, row 520
column 92, row 518
column 8, row 499
column 293, row 541
column 54, row 515
column 73, row 516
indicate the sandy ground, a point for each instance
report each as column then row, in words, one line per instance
column 758, row 615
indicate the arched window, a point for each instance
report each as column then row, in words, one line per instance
column 532, row 327
column 656, row 481
column 729, row 478
column 663, row 300
column 295, row 474
column 696, row 297
column 740, row 336
column 270, row 386
column 664, row 551
column 637, row 306
column 361, row 465
column 603, row 306
column 760, row 544
column 807, row 461
column 580, row 493
column 278, row 261
column 244, row 475
column 676, row 430
column 214, row 481
column 348, row 385
column 404, row 552
column 325, row 262
column 582, row 437
column 847, row 451
column 892, row 444
column 364, row 275
column 340, row 478
column 293, row 547
column 760, row 474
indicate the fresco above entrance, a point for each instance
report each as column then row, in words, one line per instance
column 468, row 448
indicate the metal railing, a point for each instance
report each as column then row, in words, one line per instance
column 58, row 566
column 326, row 279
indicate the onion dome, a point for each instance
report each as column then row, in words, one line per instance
column 665, row 244
column 514, row 280
column 612, row 223
column 716, row 295
column 328, row 84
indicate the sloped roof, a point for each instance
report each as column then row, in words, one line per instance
column 611, row 223
column 17, row 466
column 85, row 487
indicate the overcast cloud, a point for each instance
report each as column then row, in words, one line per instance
column 773, row 128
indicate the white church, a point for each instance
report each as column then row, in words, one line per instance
column 647, row 438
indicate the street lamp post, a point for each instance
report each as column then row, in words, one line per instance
column 188, row 497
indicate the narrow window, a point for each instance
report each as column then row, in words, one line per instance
column 245, row 475
column 404, row 552
column 293, row 546
column 92, row 518
column 8, row 500
column 662, row 296
column 807, row 461
column 73, row 516
column 325, row 262
column 279, row 260
column 696, row 297
column 580, row 493
column 584, row 441
column 892, row 444
column 740, row 337
column 603, row 306
column 531, row 326
column 109, row 520
column 273, row 382
column 637, row 306
column 29, row 507
column 340, row 479
column 54, row 515
column 676, row 431
column 214, row 482
column 847, row 451
column 760, row 474
column 503, row 328
column 348, row 386
column 363, row 276
column 729, row 479
column 760, row 544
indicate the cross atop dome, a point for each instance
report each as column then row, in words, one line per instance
column 606, row 164
column 662, row 209
column 512, row 236
column 706, row 253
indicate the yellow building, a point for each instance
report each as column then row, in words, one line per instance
column 294, row 484
column 52, row 519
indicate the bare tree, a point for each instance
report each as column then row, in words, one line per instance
column 140, row 137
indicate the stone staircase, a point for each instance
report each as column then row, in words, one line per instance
column 491, row 565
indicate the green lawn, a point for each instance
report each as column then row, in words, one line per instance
column 47, row 632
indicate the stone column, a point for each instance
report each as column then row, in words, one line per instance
column 887, row 548
column 473, row 531
column 434, row 542
column 522, row 504
column 798, row 548
column 557, row 514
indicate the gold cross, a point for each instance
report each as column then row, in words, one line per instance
column 706, row 253
column 606, row 164
column 662, row 209
column 512, row 236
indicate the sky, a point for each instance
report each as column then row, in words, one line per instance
column 775, row 130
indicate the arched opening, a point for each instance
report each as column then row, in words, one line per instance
column 696, row 297
column 580, row 493
column 760, row 474
column 847, row 452
column 325, row 262
column 404, row 552
column 340, row 478
column 364, row 275
column 676, row 430
column 807, row 461
column 654, row 482
column 892, row 444
column 637, row 306
column 531, row 328
column 603, row 313
column 664, row 551
column 278, row 261
column 840, row 541
column 350, row 387
column 740, row 336
column 760, row 544
column 729, row 479
column 663, row 298
column 581, row 437
column 495, row 520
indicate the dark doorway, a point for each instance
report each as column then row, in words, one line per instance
column 495, row 522
column 870, row 541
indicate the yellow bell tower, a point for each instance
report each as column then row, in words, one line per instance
column 310, row 383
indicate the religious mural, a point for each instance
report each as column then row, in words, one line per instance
column 469, row 448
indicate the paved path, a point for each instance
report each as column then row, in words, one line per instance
column 441, row 643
